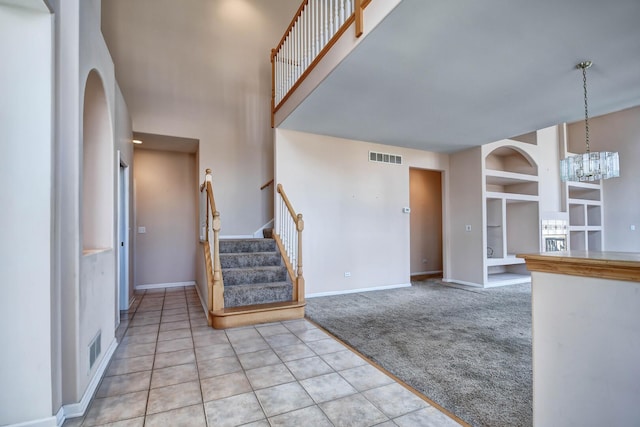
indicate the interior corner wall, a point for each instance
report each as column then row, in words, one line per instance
column 426, row 220
column 166, row 205
column 201, row 69
column 619, row 131
column 26, row 85
column 352, row 208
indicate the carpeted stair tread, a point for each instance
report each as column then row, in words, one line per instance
column 257, row 293
column 238, row 276
column 250, row 259
column 247, row 245
column 253, row 273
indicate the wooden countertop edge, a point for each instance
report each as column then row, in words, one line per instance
column 614, row 269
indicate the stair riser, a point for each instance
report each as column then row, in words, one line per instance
column 238, row 296
column 248, row 245
column 248, row 276
column 250, row 260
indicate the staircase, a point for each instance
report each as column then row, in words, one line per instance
column 251, row 281
column 253, row 273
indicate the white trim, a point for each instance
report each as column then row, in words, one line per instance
column 60, row 418
column 462, row 282
column 355, row 291
column 74, row 410
column 163, row 285
column 237, row 236
column 202, row 301
column 42, row 422
column 258, row 234
column 426, row 272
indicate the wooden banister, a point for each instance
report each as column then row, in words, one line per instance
column 294, row 253
column 215, row 284
column 286, row 201
column 266, row 184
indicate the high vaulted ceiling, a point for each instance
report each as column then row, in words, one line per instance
column 445, row 75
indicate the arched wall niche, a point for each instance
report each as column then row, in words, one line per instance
column 97, row 180
column 511, row 159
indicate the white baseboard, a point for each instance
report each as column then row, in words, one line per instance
column 42, row 422
column 258, row 234
column 74, row 410
column 462, row 282
column 202, row 301
column 426, row 272
column 163, row 285
column 355, row 291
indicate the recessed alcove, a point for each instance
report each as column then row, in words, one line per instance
column 97, row 163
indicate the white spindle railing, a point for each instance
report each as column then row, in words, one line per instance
column 313, row 27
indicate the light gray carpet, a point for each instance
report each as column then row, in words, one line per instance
column 467, row 349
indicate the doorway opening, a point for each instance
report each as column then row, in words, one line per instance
column 123, row 235
column 425, row 198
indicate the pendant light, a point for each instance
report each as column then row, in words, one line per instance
column 589, row 166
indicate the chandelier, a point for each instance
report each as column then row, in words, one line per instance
column 589, row 166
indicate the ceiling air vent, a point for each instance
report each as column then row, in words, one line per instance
column 394, row 159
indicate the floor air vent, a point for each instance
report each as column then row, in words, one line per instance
column 385, row 158
column 94, row 349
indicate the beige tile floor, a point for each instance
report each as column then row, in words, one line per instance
column 171, row 369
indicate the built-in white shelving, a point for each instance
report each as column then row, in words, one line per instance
column 584, row 205
column 511, row 197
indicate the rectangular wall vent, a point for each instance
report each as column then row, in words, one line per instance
column 394, row 159
column 94, row 349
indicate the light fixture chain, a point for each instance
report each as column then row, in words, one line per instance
column 586, row 110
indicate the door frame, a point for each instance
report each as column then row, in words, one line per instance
column 122, row 236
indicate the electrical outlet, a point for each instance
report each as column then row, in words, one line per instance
column 347, row 274
column 142, row 230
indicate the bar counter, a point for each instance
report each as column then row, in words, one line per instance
column 586, row 338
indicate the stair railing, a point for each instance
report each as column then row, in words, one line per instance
column 215, row 285
column 314, row 29
column 288, row 237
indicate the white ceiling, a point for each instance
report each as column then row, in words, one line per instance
column 445, row 75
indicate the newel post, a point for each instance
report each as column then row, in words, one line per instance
column 359, row 18
column 300, row 276
column 217, row 295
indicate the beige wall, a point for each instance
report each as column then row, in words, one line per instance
column 619, row 132
column 425, row 192
column 353, row 208
column 166, row 204
column 466, row 209
column 201, row 69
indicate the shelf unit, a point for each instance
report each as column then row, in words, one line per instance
column 511, row 211
column 584, row 204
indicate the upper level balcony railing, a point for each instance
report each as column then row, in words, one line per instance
column 313, row 30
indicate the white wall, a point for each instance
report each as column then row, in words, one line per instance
column 26, row 129
column 201, row 69
column 166, row 205
column 352, row 208
column 586, row 348
column 619, row 132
